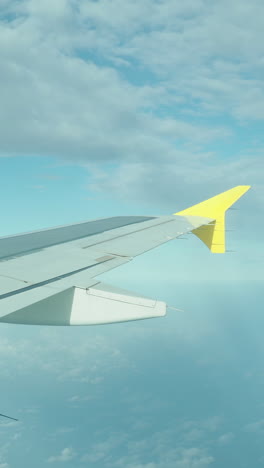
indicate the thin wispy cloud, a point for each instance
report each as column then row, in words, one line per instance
column 67, row 454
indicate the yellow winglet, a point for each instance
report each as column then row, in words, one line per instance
column 213, row 234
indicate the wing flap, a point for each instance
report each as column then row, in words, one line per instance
column 75, row 306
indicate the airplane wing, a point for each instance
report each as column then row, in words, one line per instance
column 49, row 277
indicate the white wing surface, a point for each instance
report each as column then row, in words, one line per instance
column 49, row 277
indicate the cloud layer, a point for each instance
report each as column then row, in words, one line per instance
column 160, row 87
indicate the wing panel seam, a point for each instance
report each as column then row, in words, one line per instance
column 49, row 281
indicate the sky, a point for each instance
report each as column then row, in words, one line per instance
column 118, row 107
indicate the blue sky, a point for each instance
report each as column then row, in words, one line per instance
column 115, row 108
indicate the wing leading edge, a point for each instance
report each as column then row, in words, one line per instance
column 49, row 277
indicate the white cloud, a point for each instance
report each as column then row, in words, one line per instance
column 185, row 46
column 64, row 430
column 192, row 457
column 102, row 451
column 152, row 91
column 71, row 360
column 168, row 183
column 71, row 98
column 225, row 439
column 6, row 444
column 58, row 102
column 169, row 447
column 67, row 454
column 257, row 426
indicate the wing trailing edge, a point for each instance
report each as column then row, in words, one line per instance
column 213, row 234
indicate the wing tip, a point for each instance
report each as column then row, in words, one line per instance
column 213, row 234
